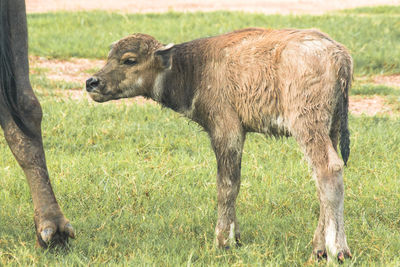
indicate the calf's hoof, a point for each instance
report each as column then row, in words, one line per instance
column 227, row 238
column 341, row 256
column 52, row 232
column 321, row 254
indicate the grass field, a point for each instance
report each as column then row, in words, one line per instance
column 138, row 181
column 373, row 39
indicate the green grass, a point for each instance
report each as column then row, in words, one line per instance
column 138, row 181
column 373, row 89
column 374, row 41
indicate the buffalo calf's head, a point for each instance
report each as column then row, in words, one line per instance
column 132, row 66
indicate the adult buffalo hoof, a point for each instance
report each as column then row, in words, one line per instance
column 53, row 232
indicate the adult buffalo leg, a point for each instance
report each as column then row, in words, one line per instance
column 227, row 138
column 51, row 225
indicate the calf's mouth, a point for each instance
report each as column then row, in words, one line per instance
column 95, row 88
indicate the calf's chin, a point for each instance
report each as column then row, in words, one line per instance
column 98, row 97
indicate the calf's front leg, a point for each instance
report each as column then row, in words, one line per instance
column 227, row 138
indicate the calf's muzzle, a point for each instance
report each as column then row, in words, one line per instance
column 92, row 83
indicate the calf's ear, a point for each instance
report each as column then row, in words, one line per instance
column 164, row 54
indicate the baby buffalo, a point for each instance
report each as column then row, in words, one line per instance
column 277, row 82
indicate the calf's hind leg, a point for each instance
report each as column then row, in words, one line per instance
column 227, row 138
column 329, row 237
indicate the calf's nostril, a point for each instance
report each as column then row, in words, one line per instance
column 92, row 83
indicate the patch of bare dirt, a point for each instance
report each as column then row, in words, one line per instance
column 389, row 80
column 261, row 6
column 369, row 106
column 75, row 70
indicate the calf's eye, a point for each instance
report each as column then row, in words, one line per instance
column 130, row 62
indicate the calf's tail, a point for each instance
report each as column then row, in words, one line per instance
column 345, row 77
column 8, row 89
column 344, row 132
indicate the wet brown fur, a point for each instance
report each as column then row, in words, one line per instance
column 277, row 82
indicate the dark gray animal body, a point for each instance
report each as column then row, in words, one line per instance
column 276, row 82
column 20, row 118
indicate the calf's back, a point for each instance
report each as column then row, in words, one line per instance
column 268, row 77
